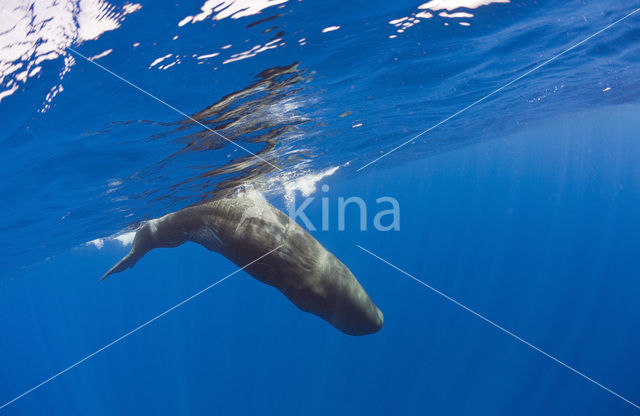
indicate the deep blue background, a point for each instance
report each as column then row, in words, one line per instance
column 537, row 231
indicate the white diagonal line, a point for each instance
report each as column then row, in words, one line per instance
column 182, row 113
column 499, row 327
column 499, row 89
column 172, row 107
column 136, row 329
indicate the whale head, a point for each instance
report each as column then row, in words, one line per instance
column 334, row 293
column 364, row 323
column 361, row 317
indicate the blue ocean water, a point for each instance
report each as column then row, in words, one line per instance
column 523, row 208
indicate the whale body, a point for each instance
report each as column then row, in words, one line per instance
column 245, row 227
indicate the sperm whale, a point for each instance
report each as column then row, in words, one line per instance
column 244, row 227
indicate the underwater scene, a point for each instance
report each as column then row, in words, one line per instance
column 293, row 207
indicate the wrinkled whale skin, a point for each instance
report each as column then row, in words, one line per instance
column 245, row 227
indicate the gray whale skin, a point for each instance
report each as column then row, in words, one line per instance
column 244, row 227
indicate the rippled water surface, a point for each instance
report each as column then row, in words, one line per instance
column 306, row 86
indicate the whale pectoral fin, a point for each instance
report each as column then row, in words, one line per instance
column 126, row 262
